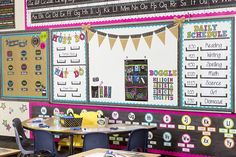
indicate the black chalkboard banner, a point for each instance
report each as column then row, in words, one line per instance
column 31, row 4
column 103, row 8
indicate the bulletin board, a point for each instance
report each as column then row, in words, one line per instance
column 128, row 65
column 69, row 65
column 25, row 65
column 7, row 14
column 207, row 65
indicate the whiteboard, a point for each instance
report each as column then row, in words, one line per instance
column 108, row 67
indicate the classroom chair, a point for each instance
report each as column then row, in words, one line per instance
column 44, row 143
column 24, row 144
column 89, row 120
column 95, row 140
column 138, row 140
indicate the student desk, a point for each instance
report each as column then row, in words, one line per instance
column 109, row 129
column 99, row 152
column 8, row 152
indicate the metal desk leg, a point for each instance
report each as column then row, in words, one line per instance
column 71, row 144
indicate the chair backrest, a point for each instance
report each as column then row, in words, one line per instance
column 17, row 124
column 89, row 119
column 44, row 142
column 95, row 140
column 138, row 140
column 20, row 136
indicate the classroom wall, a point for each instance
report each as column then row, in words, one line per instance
column 179, row 131
column 10, row 110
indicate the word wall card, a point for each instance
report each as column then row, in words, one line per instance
column 130, row 69
column 207, row 65
column 25, row 65
column 69, row 66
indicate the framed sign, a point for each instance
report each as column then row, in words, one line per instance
column 207, row 65
column 69, row 66
column 130, row 69
column 25, row 65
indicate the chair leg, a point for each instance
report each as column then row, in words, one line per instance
column 19, row 155
column 59, row 148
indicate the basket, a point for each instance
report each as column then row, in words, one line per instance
column 69, row 121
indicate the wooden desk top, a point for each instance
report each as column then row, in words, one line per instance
column 98, row 151
column 7, row 151
column 109, row 129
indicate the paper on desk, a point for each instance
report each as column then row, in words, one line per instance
column 102, row 155
column 117, row 154
column 95, row 155
column 3, row 150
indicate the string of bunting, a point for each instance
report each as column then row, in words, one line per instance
column 148, row 36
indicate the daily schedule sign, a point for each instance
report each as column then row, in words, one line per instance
column 207, row 65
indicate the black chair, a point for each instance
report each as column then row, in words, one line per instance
column 95, row 140
column 44, row 143
column 138, row 140
column 24, row 144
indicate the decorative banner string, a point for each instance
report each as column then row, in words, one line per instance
column 148, row 36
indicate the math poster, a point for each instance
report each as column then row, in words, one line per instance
column 208, row 65
column 25, row 65
column 69, row 66
column 128, row 65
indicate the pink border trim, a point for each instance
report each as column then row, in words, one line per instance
column 25, row 13
column 162, row 111
column 175, row 153
column 131, row 20
column 154, row 151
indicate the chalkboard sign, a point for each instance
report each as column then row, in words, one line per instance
column 7, row 14
column 207, row 66
column 43, row 13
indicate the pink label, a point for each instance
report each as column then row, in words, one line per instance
column 185, row 149
column 172, row 126
column 181, row 145
column 163, row 125
column 190, row 145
